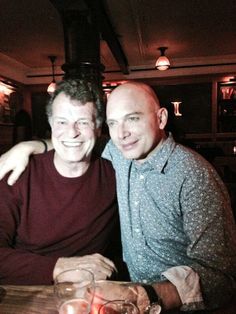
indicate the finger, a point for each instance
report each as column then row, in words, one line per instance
column 3, row 171
column 100, row 270
column 101, row 275
column 105, row 261
column 15, row 175
column 109, row 262
column 97, row 268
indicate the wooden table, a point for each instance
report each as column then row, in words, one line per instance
column 27, row 300
column 40, row 300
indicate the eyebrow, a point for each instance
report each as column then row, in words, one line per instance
column 63, row 118
column 127, row 115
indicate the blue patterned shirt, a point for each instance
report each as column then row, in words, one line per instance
column 175, row 210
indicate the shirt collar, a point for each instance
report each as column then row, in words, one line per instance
column 158, row 160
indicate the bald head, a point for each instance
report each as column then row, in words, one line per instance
column 135, row 90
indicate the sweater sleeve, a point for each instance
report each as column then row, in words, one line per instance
column 18, row 266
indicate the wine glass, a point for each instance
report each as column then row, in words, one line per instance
column 74, row 291
column 118, row 307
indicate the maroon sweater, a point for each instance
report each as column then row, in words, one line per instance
column 45, row 216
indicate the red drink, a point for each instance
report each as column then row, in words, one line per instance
column 75, row 306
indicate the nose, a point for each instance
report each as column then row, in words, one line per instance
column 122, row 131
column 73, row 130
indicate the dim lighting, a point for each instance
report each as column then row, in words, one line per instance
column 5, row 88
column 52, row 85
column 176, row 108
column 163, row 62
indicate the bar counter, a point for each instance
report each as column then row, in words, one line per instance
column 40, row 300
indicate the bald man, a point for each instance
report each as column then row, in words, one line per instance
column 178, row 232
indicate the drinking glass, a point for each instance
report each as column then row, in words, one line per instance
column 74, row 291
column 118, row 307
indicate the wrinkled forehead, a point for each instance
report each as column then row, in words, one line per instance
column 64, row 101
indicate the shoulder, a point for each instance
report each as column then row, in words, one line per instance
column 102, row 165
column 189, row 158
column 193, row 167
column 35, row 166
column 101, row 172
column 41, row 160
column 112, row 154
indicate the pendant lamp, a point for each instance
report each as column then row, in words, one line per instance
column 52, row 85
column 163, row 62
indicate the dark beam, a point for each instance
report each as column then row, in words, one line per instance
column 108, row 34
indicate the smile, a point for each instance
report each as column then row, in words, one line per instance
column 128, row 146
column 72, row 144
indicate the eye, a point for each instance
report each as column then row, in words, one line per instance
column 83, row 123
column 110, row 124
column 60, row 122
column 133, row 118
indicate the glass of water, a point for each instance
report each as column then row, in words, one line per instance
column 74, row 291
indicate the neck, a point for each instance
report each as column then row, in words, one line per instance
column 71, row 169
column 157, row 147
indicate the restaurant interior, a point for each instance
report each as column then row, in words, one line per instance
column 184, row 49
column 112, row 42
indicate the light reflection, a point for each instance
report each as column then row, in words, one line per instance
column 176, row 108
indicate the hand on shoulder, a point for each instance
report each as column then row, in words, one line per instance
column 15, row 160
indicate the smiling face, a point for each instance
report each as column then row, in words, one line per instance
column 135, row 120
column 74, row 130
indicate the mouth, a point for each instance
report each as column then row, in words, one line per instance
column 72, row 144
column 128, row 146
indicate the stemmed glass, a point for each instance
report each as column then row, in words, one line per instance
column 118, row 307
column 74, row 291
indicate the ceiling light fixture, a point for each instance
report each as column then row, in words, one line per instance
column 163, row 62
column 52, row 85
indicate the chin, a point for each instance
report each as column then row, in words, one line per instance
column 130, row 155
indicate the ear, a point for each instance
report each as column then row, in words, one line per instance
column 163, row 117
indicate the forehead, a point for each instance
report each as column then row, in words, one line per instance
column 63, row 105
column 128, row 101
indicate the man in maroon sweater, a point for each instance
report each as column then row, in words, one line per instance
column 61, row 212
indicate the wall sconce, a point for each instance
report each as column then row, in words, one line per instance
column 176, row 108
column 226, row 92
column 234, row 149
column 6, row 89
column 163, row 62
column 228, row 88
column 52, row 85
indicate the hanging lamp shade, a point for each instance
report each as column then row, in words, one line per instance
column 52, row 86
column 162, row 62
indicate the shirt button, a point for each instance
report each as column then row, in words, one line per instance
column 141, row 177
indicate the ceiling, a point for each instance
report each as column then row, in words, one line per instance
column 200, row 36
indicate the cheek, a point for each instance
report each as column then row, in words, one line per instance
column 112, row 132
column 89, row 135
column 57, row 132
